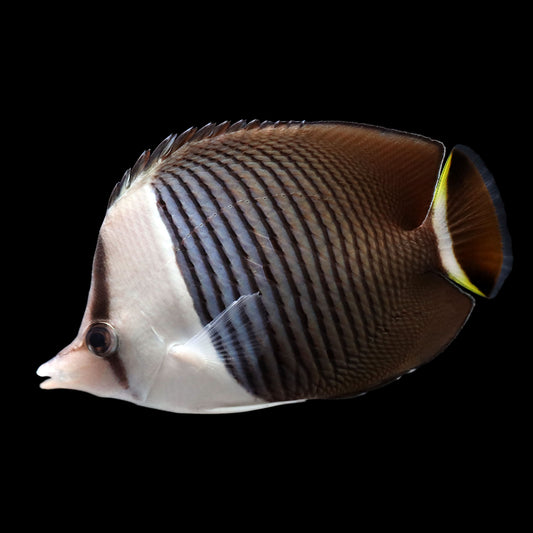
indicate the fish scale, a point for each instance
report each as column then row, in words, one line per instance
column 354, row 224
column 344, row 224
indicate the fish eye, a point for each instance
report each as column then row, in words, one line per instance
column 101, row 339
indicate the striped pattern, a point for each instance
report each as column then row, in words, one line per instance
column 301, row 218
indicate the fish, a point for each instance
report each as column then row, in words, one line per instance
column 249, row 264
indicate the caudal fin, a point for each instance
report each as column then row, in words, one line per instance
column 469, row 220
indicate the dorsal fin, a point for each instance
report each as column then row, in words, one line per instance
column 147, row 160
column 411, row 161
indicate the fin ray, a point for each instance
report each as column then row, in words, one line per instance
column 470, row 224
column 217, row 331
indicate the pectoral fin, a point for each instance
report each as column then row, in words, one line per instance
column 229, row 333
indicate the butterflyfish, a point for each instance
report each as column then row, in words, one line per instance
column 249, row 264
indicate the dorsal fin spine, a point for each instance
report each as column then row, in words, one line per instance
column 147, row 160
column 140, row 164
column 163, row 148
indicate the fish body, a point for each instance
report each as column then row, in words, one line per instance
column 244, row 265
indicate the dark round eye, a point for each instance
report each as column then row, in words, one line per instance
column 101, row 339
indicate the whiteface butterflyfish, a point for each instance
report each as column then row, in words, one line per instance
column 245, row 265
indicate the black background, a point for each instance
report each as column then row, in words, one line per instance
column 91, row 98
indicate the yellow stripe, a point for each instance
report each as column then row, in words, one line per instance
column 442, row 185
column 466, row 283
column 440, row 223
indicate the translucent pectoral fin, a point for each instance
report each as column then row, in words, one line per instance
column 228, row 331
column 198, row 373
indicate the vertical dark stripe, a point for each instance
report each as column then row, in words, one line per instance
column 100, row 289
column 118, row 368
column 187, row 268
column 218, row 267
column 100, row 308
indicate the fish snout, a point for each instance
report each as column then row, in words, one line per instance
column 75, row 367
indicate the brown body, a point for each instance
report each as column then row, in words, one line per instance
column 326, row 222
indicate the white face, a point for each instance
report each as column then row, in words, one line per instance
column 124, row 334
column 132, row 340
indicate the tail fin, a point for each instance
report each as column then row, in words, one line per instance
column 469, row 221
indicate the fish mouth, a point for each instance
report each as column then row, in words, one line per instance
column 54, row 377
column 61, row 370
column 78, row 369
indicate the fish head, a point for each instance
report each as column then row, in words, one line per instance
column 86, row 364
column 117, row 358
column 134, row 309
column 134, row 341
column 114, row 356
